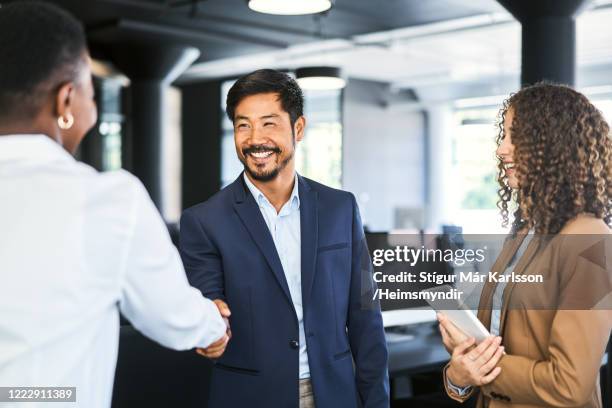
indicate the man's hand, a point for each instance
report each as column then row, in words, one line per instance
column 217, row 349
column 225, row 314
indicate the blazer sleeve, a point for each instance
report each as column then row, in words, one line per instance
column 365, row 326
column 201, row 258
column 576, row 347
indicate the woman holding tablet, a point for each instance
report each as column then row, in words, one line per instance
column 555, row 169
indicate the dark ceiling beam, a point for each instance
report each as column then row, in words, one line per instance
column 169, row 9
column 166, row 3
column 527, row 10
column 182, row 3
column 106, row 29
column 306, row 34
column 172, row 8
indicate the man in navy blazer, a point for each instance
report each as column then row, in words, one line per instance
column 288, row 256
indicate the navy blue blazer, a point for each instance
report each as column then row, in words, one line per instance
column 229, row 254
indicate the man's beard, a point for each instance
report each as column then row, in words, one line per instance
column 265, row 176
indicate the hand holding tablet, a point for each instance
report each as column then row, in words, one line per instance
column 457, row 313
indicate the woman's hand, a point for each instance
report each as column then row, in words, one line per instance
column 475, row 366
column 451, row 335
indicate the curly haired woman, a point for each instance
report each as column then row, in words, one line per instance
column 555, row 168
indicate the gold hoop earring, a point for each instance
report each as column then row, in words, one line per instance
column 65, row 122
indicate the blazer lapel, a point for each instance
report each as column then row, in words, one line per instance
column 248, row 211
column 309, row 230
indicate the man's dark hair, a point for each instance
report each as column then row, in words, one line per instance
column 268, row 81
column 41, row 47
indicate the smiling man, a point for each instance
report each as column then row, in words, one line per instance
column 288, row 257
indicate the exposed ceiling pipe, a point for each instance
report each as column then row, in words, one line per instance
column 289, row 57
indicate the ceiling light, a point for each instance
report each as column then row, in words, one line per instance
column 320, row 78
column 290, row 7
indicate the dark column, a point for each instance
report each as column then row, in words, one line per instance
column 201, row 117
column 146, row 128
column 548, row 38
column 151, row 69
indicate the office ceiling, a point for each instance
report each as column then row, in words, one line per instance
column 461, row 58
column 226, row 28
column 442, row 49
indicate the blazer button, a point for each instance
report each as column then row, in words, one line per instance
column 294, row 344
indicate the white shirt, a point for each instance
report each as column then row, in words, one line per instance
column 284, row 227
column 77, row 246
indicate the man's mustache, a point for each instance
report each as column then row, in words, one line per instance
column 259, row 149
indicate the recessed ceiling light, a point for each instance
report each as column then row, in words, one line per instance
column 320, row 78
column 290, row 7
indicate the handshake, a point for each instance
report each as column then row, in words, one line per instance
column 216, row 349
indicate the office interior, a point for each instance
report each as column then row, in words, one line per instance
column 410, row 130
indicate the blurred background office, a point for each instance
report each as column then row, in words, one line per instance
column 401, row 102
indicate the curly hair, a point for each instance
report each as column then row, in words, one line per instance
column 562, row 159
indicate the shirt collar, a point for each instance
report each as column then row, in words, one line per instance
column 31, row 147
column 260, row 198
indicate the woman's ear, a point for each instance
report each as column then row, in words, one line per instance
column 63, row 100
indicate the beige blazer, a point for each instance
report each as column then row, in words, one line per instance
column 553, row 353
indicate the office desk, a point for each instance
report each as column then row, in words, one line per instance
column 424, row 353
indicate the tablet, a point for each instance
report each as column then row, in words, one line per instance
column 458, row 314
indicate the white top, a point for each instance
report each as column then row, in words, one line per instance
column 77, row 246
column 285, row 229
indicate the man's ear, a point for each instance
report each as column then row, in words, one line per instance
column 299, row 128
column 63, row 100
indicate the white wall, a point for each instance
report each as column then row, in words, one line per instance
column 383, row 154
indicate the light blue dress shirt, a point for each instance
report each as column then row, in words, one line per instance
column 284, row 227
column 498, row 299
column 498, row 295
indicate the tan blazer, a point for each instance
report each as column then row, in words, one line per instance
column 553, row 354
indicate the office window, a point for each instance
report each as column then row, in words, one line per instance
column 230, row 165
column 318, row 156
column 475, row 170
column 110, row 125
column 475, row 165
column 110, row 131
column 605, row 106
